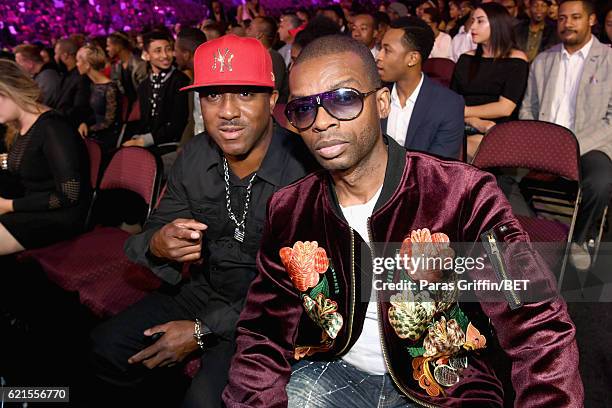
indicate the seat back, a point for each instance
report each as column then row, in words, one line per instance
column 95, row 161
column 439, row 70
column 533, row 145
column 135, row 169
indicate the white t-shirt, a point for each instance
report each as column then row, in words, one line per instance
column 366, row 354
column 399, row 117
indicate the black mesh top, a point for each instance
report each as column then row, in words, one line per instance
column 51, row 162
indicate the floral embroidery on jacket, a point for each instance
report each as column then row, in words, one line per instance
column 304, row 263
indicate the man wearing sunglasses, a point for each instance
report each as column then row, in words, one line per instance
column 309, row 335
column 210, row 218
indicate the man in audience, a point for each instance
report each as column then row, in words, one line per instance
column 187, row 41
column 463, row 41
column 311, row 298
column 442, row 44
column 287, row 22
column 365, row 30
column 128, row 71
column 335, row 13
column 213, row 31
column 397, row 10
column 163, row 110
column 538, row 33
column 28, row 57
column 264, row 29
column 211, row 217
column 424, row 115
column 73, row 99
column 570, row 84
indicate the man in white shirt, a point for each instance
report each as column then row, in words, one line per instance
column 424, row 115
column 287, row 22
column 442, row 44
column 462, row 42
column 365, row 29
column 570, row 84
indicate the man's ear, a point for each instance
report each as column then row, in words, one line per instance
column 146, row 56
column 592, row 19
column 383, row 102
column 273, row 100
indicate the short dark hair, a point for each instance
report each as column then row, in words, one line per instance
column 382, row 18
column 436, row 18
column 189, row 39
column 121, row 39
column 294, row 20
column 151, row 36
column 336, row 44
column 317, row 27
column 418, row 36
column 29, row 52
column 269, row 27
column 68, row 46
column 587, row 4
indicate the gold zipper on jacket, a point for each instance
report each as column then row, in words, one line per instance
column 382, row 338
column 352, row 313
column 499, row 267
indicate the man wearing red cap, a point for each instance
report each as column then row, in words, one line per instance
column 210, row 218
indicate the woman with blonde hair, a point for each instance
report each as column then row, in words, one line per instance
column 48, row 163
column 102, row 124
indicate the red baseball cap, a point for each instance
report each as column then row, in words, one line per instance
column 232, row 60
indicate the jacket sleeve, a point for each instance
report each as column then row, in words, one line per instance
column 530, row 107
column 539, row 336
column 598, row 133
column 448, row 141
column 266, row 332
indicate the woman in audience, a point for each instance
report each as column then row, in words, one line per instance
column 553, row 10
column 492, row 78
column 249, row 11
column 454, row 14
column 103, row 122
column 47, row 160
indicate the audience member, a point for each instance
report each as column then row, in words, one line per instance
column 463, row 42
column 29, row 59
column 213, row 211
column 104, row 121
column 491, row 79
column 442, row 45
column 335, row 14
column 606, row 34
column 163, row 110
column 422, row 5
column 317, row 27
column 396, row 10
column 249, row 10
column 454, row 14
column 287, row 23
column 128, row 71
column 264, row 30
column 553, row 10
column 423, row 114
column 217, row 12
column 570, row 84
column 365, row 30
column 304, row 15
column 47, row 160
column 309, row 333
column 187, row 42
column 383, row 25
column 73, row 97
column 538, row 33
column 213, row 31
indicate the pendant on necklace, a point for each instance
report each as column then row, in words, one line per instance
column 238, row 234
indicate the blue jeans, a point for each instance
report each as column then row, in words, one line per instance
column 322, row 384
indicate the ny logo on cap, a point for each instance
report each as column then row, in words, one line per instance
column 224, row 60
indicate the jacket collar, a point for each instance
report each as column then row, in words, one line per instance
column 396, row 162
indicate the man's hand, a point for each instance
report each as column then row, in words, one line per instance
column 171, row 348
column 138, row 141
column 179, row 241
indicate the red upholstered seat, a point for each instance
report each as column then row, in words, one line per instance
column 439, row 70
column 94, row 264
column 541, row 147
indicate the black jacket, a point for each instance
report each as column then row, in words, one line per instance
column 73, row 99
column 168, row 125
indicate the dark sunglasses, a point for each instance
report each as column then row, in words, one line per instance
column 341, row 103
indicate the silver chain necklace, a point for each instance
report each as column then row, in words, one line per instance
column 239, row 231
